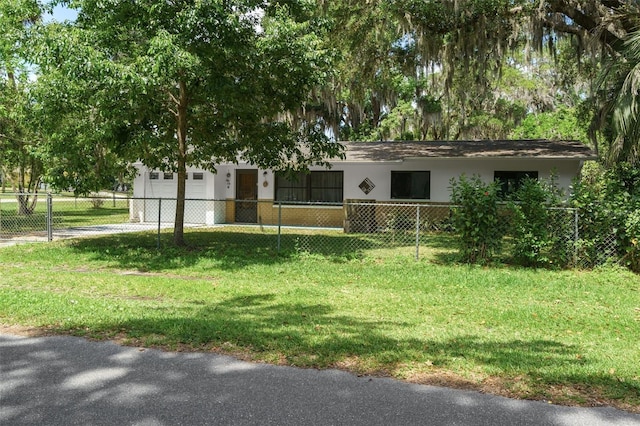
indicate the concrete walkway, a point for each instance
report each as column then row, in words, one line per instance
column 89, row 231
column 71, row 381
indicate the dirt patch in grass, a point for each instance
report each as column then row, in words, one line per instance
column 520, row 388
column 22, row 330
column 139, row 273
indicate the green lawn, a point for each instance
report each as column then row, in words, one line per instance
column 564, row 336
column 67, row 212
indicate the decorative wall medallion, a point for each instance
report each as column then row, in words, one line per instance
column 366, row 186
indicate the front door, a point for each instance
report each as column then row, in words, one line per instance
column 247, row 196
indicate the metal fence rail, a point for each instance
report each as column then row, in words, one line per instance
column 349, row 228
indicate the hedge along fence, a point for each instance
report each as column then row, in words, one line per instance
column 539, row 235
column 590, row 234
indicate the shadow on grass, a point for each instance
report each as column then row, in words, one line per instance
column 237, row 247
column 229, row 249
column 311, row 335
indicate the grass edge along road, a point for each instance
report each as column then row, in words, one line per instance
column 569, row 337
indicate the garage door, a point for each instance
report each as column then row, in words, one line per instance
column 164, row 186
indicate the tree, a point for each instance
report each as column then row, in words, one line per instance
column 620, row 80
column 191, row 83
column 458, row 49
column 562, row 123
column 20, row 163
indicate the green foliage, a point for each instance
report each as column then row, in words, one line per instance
column 530, row 224
column 20, row 155
column 178, row 85
column 618, row 86
column 476, row 218
column 561, row 123
column 542, row 236
column 474, row 58
column 632, row 248
column 395, row 125
column 608, row 201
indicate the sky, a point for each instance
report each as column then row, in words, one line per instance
column 61, row 13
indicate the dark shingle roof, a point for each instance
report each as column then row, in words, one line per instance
column 536, row 148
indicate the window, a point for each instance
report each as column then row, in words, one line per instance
column 321, row 186
column 198, row 176
column 154, row 175
column 168, row 176
column 411, row 185
column 510, row 182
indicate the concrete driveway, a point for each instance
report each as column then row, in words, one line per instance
column 71, row 381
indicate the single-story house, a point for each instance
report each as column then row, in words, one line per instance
column 390, row 172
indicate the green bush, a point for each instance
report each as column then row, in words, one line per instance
column 475, row 218
column 530, row 217
column 542, row 236
column 609, row 204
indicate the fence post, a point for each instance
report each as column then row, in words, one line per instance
column 279, row 224
column 49, row 218
column 576, row 236
column 417, row 232
column 159, row 219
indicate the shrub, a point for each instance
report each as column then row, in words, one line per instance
column 530, row 216
column 608, row 202
column 475, row 218
column 541, row 236
column 97, row 202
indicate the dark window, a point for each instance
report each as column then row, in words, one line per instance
column 318, row 186
column 510, row 182
column 168, row 176
column 198, row 176
column 154, row 175
column 411, row 185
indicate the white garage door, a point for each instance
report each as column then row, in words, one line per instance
column 161, row 189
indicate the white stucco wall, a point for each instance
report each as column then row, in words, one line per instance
column 197, row 210
column 215, row 186
column 143, row 187
column 220, row 187
column 442, row 171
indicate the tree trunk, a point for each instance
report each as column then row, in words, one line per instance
column 178, row 230
column 26, row 203
column 376, row 111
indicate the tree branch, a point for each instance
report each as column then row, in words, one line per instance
column 588, row 22
column 16, row 139
column 173, row 98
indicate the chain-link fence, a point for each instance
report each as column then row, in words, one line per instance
column 46, row 217
column 352, row 228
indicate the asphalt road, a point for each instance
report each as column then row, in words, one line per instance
column 71, row 381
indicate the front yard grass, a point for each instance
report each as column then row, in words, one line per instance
column 569, row 337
